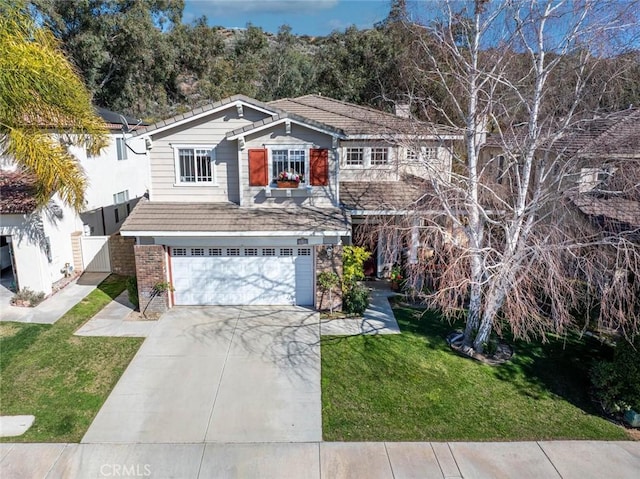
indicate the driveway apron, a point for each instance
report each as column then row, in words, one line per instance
column 219, row 374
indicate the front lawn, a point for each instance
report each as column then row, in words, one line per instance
column 412, row 387
column 61, row 379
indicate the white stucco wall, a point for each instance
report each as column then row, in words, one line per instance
column 33, row 268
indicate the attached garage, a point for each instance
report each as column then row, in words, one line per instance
column 242, row 275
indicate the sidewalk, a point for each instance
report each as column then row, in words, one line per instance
column 384, row 460
column 55, row 306
column 377, row 319
column 114, row 321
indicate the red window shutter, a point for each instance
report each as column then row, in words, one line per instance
column 258, row 168
column 319, row 162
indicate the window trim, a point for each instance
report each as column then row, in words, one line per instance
column 125, row 195
column 191, row 146
column 423, row 153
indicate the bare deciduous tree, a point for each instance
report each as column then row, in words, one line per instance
column 505, row 235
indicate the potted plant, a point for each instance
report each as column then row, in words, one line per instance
column 396, row 278
column 288, row 179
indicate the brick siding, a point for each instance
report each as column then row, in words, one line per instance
column 329, row 261
column 151, row 269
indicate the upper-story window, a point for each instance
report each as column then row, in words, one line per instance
column 366, row 156
column 121, row 197
column 121, row 149
column 422, row 153
column 291, row 160
column 379, row 156
column 354, row 157
column 194, row 164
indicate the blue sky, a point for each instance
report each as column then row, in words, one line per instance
column 310, row 17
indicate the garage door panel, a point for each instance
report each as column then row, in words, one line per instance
column 234, row 279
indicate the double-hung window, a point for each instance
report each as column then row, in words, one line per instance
column 121, row 197
column 290, row 160
column 194, row 164
column 121, row 149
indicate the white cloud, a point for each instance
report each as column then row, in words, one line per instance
column 217, row 7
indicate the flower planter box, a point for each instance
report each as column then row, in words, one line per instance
column 288, row 184
column 632, row 418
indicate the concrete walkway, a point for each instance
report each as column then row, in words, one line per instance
column 377, row 319
column 55, row 306
column 315, row 460
column 114, row 321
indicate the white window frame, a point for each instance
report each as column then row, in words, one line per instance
column 348, row 150
column 367, row 154
column 176, row 164
column 121, row 195
column 121, row 149
column 289, row 148
column 424, row 153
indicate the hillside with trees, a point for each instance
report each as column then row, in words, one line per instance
column 140, row 59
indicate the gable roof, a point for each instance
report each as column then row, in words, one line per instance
column 204, row 110
column 16, row 193
column 356, row 120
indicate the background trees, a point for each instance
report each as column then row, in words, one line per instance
column 40, row 91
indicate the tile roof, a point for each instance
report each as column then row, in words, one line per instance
column 355, row 119
column 620, row 210
column 282, row 116
column 383, row 195
column 230, row 218
column 16, row 193
column 203, row 109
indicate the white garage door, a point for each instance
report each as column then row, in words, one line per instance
column 237, row 276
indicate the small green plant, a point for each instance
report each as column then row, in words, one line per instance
column 27, row 297
column 353, row 258
column 355, row 300
column 132, row 289
column 396, row 274
column 328, row 280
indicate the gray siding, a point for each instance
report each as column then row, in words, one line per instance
column 210, row 130
column 318, row 196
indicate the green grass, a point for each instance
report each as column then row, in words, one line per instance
column 61, row 379
column 412, row 387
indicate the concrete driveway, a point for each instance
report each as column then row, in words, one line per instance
column 219, row 374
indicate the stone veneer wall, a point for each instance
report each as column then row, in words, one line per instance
column 326, row 261
column 151, row 269
column 123, row 257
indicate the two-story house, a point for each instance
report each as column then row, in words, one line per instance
column 222, row 231
column 36, row 245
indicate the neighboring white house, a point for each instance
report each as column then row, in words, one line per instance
column 36, row 246
column 118, row 176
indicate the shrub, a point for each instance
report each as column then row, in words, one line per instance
column 353, row 258
column 616, row 384
column 355, row 300
column 26, row 295
column 132, row 289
